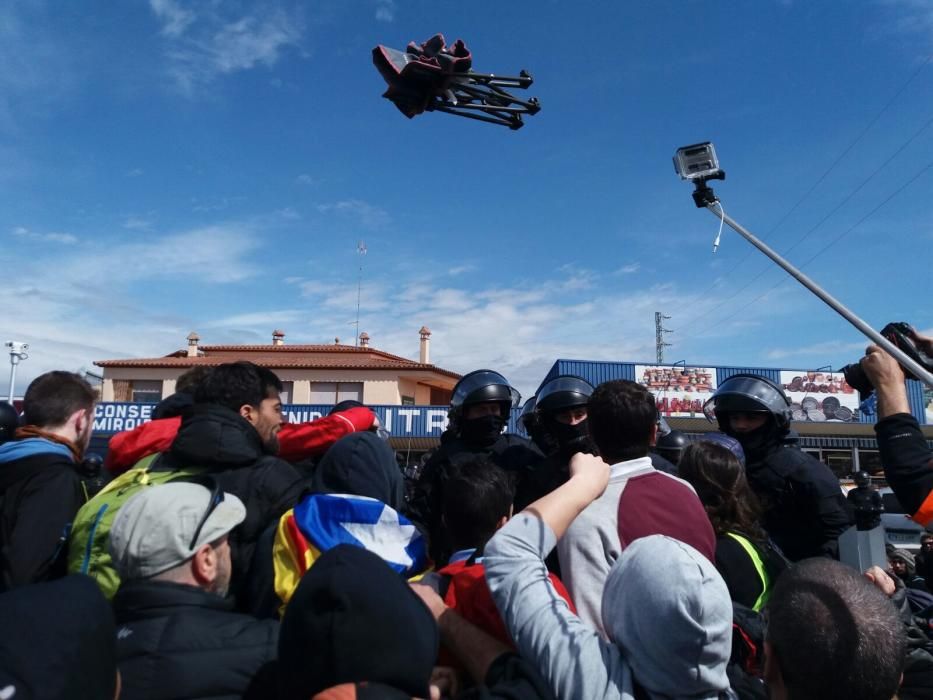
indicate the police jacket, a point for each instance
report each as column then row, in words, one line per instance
column 178, row 641
column 512, row 453
column 40, row 493
column 804, row 509
column 224, row 445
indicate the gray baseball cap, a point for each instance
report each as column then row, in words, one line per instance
column 154, row 529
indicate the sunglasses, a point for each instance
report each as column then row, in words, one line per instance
column 217, row 497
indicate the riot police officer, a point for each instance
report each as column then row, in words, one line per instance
column 866, row 502
column 558, row 426
column 804, row 509
column 480, row 407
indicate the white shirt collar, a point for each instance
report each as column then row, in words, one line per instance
column 630, row 466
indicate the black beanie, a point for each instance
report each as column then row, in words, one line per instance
column 353, row 619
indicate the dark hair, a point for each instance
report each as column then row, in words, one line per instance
column 188, row 381
column 621, row 417
column 476, row 495
column 53, row 397
column 719, row 480
column 237, row 384
column 834, row 634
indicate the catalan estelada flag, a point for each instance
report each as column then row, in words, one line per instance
column 322, row 521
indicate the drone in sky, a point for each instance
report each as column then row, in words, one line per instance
column 432, row 77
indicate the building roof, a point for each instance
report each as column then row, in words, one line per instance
column 284, row 357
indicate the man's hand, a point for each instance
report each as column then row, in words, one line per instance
column 591, row 472
column 881, row 368
column 429, row 596
column 883, row 582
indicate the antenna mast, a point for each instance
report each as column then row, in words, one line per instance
column 361, row 251
column 659, row 331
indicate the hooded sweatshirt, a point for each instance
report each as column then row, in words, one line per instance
column 58, row 640
column 353, row 619
column 40, row 493
column 670, row 632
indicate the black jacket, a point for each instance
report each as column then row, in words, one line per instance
column 226, row 446
column 40, row 493
column 804, row 509
column 176, row 641
column 516, row 455
column 907, row 461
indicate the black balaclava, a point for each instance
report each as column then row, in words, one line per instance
column 482, row 431
column 570, row 438
column 361, row 464
column 757, row 444
column 353, row 619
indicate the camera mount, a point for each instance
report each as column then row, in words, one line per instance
column 700, row 164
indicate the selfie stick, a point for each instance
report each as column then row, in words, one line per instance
column 704, row 197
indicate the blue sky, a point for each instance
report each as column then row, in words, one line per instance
column 173, row 166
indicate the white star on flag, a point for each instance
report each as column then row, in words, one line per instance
column 386, row 537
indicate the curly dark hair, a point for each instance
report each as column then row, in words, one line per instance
column 719, row 480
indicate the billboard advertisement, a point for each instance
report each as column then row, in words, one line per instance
column 679, row 392
column 820, row 396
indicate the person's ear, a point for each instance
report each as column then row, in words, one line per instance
column 249, row 412
column 204, row 565
column 503, row 520
column 654, row 434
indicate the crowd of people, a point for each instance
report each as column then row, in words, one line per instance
column 228, row 554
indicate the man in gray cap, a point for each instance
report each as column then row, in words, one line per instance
column 178, row 635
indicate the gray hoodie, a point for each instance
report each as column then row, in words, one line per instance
column 674, row 632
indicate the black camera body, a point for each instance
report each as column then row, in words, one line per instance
column 903, row 336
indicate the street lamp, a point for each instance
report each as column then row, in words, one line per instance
column 17, row 354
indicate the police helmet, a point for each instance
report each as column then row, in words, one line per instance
column 9, row 421
column 862, row 479
column 482, row 386
column 674, row 441
column 527, row 418
column 749, row 393
column 563, row 392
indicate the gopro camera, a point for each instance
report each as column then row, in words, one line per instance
column 698, row 162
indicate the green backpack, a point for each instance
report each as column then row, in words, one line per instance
column 88, row 550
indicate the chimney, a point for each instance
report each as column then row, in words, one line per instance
column 337, row 341
column 425, row 354
column 364, row 339
column 193, row 339
column 278, row 338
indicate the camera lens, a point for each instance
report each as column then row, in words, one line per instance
column 858, row 380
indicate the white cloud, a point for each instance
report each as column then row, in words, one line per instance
column 51, row 237
column 367, row 214
column 135, row 223
column 203, row 44
column 135, row 172
column 628, row 269
column 460, row 269
column 385, row 10
column 831, row 348
column 261, row 320
column 305, row 179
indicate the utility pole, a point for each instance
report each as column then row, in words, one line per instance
column 17, row 354
column 659, row 331
column 361, row 251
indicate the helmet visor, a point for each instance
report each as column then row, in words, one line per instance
column 484, row 385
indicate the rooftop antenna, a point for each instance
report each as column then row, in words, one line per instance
column 361, row 251
column 17, row 354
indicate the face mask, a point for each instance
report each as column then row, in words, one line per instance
column 572, row 438
column 482, row 431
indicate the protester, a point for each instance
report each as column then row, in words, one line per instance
column 924, row 557
column 354, row 624
column 744, row 557
column 480, row 407
column 58, row 640
column 477, row 502
column 9, row 421
column 178, row 635
column 297, row 441
column 905, row 454
column 665, row 609
column 40, row 488
column 831, row 635
column 639, row 500
column 904, row 566
column 356, row 498
column 804, row 510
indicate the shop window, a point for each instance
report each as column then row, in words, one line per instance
column 840, row 461
column 408, row 400
column 146, row 391
column 870, row 461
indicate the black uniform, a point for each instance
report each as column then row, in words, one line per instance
column 867, row 506
column 804, row 509
column 178, row 641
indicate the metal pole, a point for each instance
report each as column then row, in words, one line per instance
column 17, row 353
column 889, row 347
column 12, row 378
